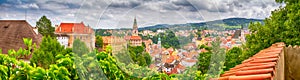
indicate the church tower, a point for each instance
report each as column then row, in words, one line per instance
column 135, row 28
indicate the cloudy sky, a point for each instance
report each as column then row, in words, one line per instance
column 120, row 13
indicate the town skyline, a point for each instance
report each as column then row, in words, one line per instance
column 119, row 14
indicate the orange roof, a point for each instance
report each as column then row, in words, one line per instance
column 73, row 28
column 258, row 67
column 179, row 66
column 135, row 38
column 170, row 59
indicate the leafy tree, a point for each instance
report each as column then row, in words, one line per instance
column 44, row 26
column 99, row 42
column 168, row 39
column 22, row 53
column 44, row 56
column 233, row 57
column 281, row 26
column 217, row 59
column 147, row 58
column 204, row 59
column 138, row 55
column 79, row 48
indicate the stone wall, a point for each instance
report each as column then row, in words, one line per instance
column 292, row 63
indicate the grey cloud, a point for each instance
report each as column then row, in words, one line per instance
column 125, row 4
column 181, row 2
column 119, row 13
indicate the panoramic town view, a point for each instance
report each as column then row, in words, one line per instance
column 149, row 40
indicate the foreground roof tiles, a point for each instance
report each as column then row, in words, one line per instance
column 261, row 66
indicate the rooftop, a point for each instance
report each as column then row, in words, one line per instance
column 73, row 28
column 261, row 66
column 12, row 33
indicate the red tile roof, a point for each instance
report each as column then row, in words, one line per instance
column 135, row 38
column 261, row 66
column 170, row 59
column 73, row 28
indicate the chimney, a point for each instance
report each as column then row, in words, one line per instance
column 35, row 29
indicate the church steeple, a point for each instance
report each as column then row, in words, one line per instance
column 135, row 28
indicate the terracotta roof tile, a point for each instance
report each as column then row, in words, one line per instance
column 258, row 67
column 73, row 28
column 135, row 38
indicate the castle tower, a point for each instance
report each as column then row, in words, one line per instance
column 135, row 28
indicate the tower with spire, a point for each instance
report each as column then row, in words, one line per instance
column 134, row 39
column 135, row 28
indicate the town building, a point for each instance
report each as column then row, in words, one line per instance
column 134, row 39
column 67, row 32
column 117, row 43
column 12, row 33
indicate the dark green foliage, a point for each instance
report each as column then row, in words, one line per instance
column 233, row 57
column 281, row 26
column 45, row 54
column 102, row 32
column 79, row 48
column 99, row 42
column 204, row 59
column 138, row 55
column 168, row 39
column 45, row 27
column 230, row 22
column 147, row 58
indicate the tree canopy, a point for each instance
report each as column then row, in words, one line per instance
column 99, row 42
column 45, row 27
column 281, row 26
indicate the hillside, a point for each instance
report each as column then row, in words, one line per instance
column 230, row 23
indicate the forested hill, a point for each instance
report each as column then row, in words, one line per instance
column 230, row 23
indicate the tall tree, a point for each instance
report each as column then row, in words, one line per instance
column 281, row 26
column 233, row 57
column 44, row 26
column 79, row 48
column 45, row 55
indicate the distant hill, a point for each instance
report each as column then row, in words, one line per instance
column 230, row 23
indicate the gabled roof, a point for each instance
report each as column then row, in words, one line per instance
column 261, row 66
column 135, row 38
column 12, row 33
column 73, row 28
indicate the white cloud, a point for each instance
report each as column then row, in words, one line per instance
column 31, row 5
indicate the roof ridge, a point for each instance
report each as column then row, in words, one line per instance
column 262, row 65
column 13, row 20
